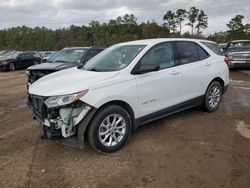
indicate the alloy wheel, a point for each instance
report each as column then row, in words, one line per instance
column 214, row 97
column 112, row 130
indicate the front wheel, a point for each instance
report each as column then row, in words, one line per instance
column 110, row 129
column 212, row 97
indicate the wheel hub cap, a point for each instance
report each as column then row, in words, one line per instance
column 112, row 130
column 214, row 97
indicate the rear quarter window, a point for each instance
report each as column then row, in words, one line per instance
column 213, row 47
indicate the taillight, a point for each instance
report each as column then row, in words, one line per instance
column 227, row 61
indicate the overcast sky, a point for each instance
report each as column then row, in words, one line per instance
column 62, row 13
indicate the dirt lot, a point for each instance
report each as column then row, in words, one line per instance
column 190, row 149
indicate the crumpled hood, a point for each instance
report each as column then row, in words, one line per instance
column 52, row 66
column 68, row 81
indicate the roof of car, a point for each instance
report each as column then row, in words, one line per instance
column 158, row 40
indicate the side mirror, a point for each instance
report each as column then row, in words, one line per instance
column 145, row 68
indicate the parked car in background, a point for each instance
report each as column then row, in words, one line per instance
column 223, row 47
column 63, row 59
column 13, row 61
column 47, row 55
column 125, row 86
column 238, row 54
column 2, row 54
column 34, row 53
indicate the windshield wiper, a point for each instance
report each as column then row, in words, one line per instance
column 81, row 67
column 93, row 69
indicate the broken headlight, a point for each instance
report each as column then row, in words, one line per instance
column 57, row 101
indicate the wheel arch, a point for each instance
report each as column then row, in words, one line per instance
column 120, row 103
column 220, row 80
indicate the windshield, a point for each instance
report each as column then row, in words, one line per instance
column 239, row 47
column 114, row 58
column 10, row 55
column 68, row 56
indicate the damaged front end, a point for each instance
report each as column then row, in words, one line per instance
column 62, row 117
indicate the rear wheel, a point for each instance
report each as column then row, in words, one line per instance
column 212, row 97
column 12, row 67
column 110, row 129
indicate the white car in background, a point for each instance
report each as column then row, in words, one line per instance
column 125, row 86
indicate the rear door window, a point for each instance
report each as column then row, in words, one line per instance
column 187, row 52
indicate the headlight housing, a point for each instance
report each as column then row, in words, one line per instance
column 57, row 101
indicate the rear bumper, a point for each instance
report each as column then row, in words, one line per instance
column 239, row 65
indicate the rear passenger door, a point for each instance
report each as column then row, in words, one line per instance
column 197, row 70
column 160, row 89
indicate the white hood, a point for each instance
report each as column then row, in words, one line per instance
column 68, row 81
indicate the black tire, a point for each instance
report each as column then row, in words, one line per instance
column 12, row 67
column 94, row 134
column 208, row 104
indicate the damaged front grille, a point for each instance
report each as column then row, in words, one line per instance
column 38, row 107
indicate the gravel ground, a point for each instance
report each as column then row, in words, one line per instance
column 189, row 149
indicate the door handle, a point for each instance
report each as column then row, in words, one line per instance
column 174, row 73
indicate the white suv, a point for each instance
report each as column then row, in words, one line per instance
column 125, row 86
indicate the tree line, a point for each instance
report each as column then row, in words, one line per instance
column 237, row 30
column 123, row 28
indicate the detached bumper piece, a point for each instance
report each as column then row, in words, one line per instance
column 66, row 123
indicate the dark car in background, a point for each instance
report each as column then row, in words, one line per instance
column 63, row 59
column 238, row 54
column 13, row 61
column 2, row 53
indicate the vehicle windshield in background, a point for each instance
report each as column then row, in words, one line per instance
column 239, row 47
column 67, row 56
column 10, row 56
column 114, row 58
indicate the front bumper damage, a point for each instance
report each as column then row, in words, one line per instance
column 65, row 124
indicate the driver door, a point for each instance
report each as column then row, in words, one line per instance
column 160, row 89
